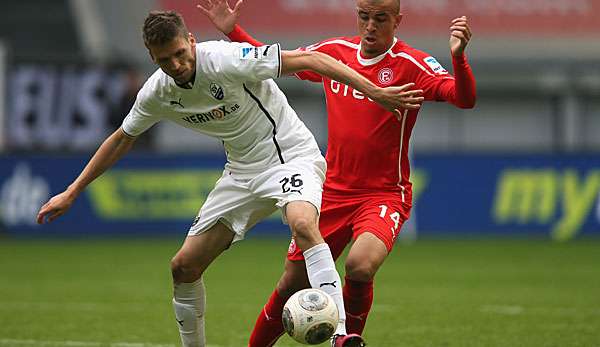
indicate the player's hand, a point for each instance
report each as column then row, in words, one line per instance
column 460, row 34
column 55, row 207
column 220, row 14
column 400, row 98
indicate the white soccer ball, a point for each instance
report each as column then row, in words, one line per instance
column 310, row 316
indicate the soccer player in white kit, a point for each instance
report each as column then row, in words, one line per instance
column 225, row 90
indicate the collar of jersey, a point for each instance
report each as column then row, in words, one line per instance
column 189, row 84
column 375, row 60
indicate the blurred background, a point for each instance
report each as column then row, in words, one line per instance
column 504, row 230
column 524, row 161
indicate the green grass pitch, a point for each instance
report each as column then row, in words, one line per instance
column 117, row 293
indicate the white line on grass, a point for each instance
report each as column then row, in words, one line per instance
column 12, row 342
column 513, row 310
column 78, row 306
column 15, row 342
column 502, row 309
column 46, row 343
column 383, row 308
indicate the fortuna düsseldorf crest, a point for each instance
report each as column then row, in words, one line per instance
column 385, row 75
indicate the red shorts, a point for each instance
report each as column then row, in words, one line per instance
column 343, row 219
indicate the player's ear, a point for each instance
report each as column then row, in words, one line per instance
column 398, row 20
column 191, row 38
column 150, row 54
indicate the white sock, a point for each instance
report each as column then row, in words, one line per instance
column 189, row 302
column 323, row 275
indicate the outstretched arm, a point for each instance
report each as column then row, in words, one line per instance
column 220, row 14
column 462, row 92
column 391, row 98
column 111, row 150
column 225, row 19
column 240, row 35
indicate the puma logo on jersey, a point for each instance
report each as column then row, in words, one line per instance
column 177, row 103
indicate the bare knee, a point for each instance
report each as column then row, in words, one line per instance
column 360, row 270
column 305, row 232
column 302, row 226
column 183, row 271
column 365, row 257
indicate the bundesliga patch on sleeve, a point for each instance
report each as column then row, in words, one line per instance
column 255, row 53
column 249, row 53
column 435, row 66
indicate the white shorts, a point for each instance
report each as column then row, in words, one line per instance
column 240, row 204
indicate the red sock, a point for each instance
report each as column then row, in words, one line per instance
column 358, row 297
column 268, row 327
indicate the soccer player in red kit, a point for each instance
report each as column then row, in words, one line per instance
column 367, row 194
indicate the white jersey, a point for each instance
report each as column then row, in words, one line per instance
column 233, row 98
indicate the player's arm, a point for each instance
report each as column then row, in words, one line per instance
column 391, row 98
column 462, row 91
column 111, row 150
column 225, row 19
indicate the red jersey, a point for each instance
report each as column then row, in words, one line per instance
column 368, row 146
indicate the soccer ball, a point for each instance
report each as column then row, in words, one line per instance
column 310, row 316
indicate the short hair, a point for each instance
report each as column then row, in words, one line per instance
column 161, row 27
column 397, row 4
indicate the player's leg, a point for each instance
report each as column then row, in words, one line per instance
column 223, row 219
column 320, row 266
column 376, row 228
column 187, row 267
column 366, row 255
column 269, row 327
column 302, row 218
column 297, row 187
